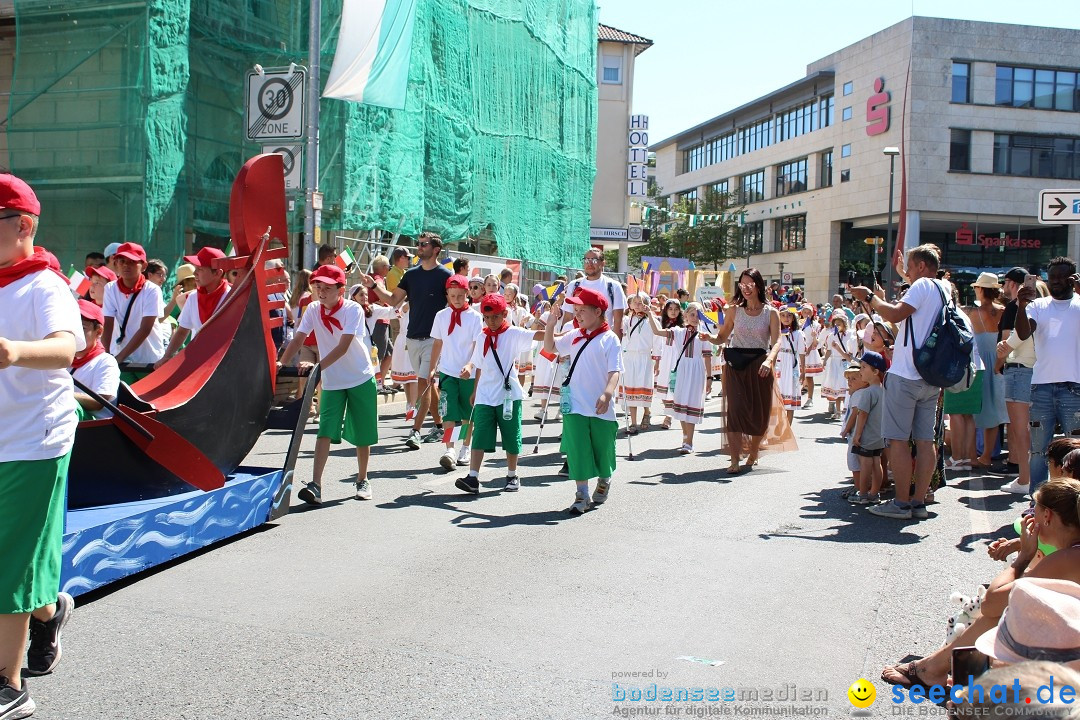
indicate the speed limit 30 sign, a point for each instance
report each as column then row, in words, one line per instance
column 275, row 104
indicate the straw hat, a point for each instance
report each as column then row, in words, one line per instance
column 987, row 280
column 185, row 272
column 1042, row 622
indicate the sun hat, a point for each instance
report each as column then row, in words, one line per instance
column 1041, row 622
column 987, row 280
column 839, row 313
column 185, row 272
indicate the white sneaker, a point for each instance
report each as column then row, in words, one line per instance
column 463, row 455
column 1016, row 488
column 363, row 489
column 448, row 459
column 808, row 404
column 581, row 504
column 540, row 415
column 413, row 441
column 513, row 484
column 600, row 494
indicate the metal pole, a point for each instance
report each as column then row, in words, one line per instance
column 889, row 251
column 311, row 174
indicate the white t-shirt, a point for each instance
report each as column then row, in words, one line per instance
column 38, row 405
column 147, row 304
column 189, row 315
column 354, row 367
column 602, row 356
column 599, row 285
column 512, row 343
column 925, row 298
column 102, row 375
column 1057, row 339
column 457, row 347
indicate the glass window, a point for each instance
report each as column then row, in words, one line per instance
column 720, row 188
column 1044, row 89
column 827, row 104
column 791, row 233
column 1036, row 156
column 845, row 151
column 845, row 175
column 612, row 70
column 791, row 177
column 1065, row 91
column 849, row 87
column 961, row 82
column 752, row 187
column 826, row 169
column 690, row 196
column 846, row 114
column 753, row 235
column 960, row 151
column 1003, row 86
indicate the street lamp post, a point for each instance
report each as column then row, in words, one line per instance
column 892, row 152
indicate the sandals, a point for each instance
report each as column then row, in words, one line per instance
column 667, row 423
column 751, row 461
column 631, row 430
column 734, row 468
column 908, row 673
column 686, row 449
column 646, row 421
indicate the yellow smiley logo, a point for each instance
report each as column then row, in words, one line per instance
column 861, row 693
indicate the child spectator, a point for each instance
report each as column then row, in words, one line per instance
column 93, row 367
column 867, row 442
column 348, row 379
column 853, row 377
column 455, row 330
column 497, row 393
column 132, row 308
column 589, row 426
column 211, row 289
column 39, row 336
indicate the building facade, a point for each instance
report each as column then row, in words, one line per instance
column 984, row 116
column 611, row 220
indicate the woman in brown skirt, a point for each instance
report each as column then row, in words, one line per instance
column 752, row 332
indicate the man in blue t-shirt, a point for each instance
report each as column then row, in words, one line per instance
column 424, row 286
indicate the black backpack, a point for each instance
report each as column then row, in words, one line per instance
column 945, row 358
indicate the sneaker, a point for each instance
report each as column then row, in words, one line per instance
column 44, row 652
column 581, row 504
column 1016, row 488
column 413, row 441
column 363, row 490
column 311, row 494
column 434, row 436
column 540, row 415
column 14, row 704
column 918, row 511
column 870, row 500
column 469, row 484
column 448, row 459
column 463, row 456
column 855, row 498
column 564, row 471
column 601, row 492
column 892, row 510
column 512, row 484
column 1000, row 469
column 808, row 404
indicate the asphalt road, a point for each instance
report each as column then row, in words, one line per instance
column 425, row 603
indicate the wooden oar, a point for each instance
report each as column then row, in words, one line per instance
column 163, row 445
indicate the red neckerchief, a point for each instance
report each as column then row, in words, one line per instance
column 209, row 299
column 78, row 362
column 455, row 316
column 124, row 289
column 585, row 335
column 491, row 337
column 328, row 319
column 37, row 262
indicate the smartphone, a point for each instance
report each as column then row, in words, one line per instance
column 877, row 277
column 851, row 277
column 968, row 662
column 1029, row 281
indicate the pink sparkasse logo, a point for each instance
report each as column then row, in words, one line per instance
column 877, row 109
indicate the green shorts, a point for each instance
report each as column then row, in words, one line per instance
column 589, row 446
column 355, row 408
column 454, row 396
column 32, row 506
column 486, row 418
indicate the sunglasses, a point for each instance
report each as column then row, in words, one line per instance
column 592, row 260
column 423, row 243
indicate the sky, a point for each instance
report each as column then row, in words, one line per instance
column 710, row 56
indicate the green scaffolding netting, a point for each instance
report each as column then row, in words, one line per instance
column 128, row 120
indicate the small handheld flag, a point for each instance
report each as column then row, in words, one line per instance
column 551, row 291
column 80, row 284
column 711, row 317
column 345, row 259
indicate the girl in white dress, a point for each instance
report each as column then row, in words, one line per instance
column 692, row 359
column 789, row 361
column 547, row 375
column 637, row 347
column 839, row 350
column 670, row 317
column 812, row 364
column 519, row 316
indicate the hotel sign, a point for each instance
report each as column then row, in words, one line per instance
column 637, row 169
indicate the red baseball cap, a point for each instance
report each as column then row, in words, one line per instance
column 15, row 194
column 493, row 303
column 329, row 274
column 205, row 257
column 102, row 271
column 132, row 251
column 91, row 311
column 585, row 296
column 457, row 281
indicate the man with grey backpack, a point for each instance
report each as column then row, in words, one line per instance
column 929, row 355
